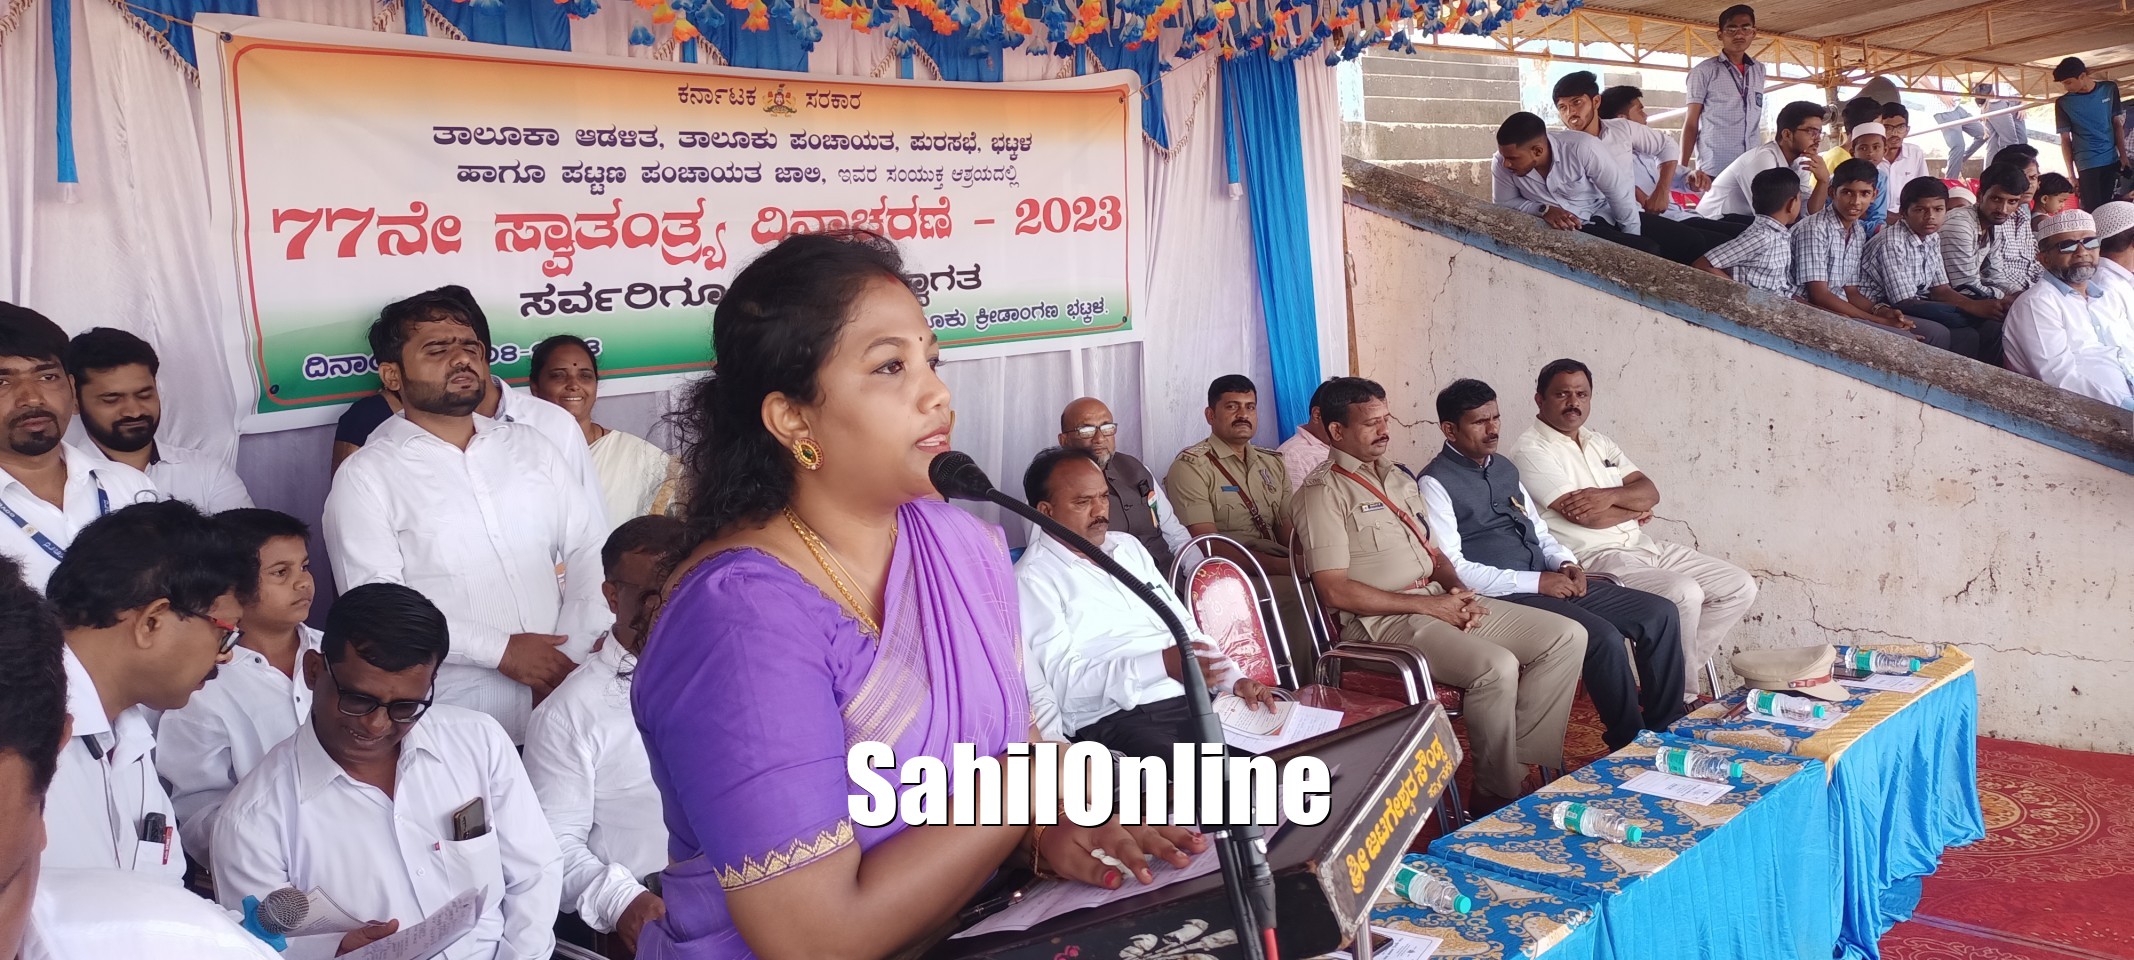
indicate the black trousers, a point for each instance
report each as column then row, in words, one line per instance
column 1149, row 730
column 1609, row 232
column 2097, row 184
column 1611, row 613
column 1683, row 241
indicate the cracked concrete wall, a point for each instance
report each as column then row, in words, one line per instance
column 1866, row 515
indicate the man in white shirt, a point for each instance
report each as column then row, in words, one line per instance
column 1800, row 134
column 1634, row 145
column 255, row 700
column 148, row 599
column 1139, row 507
column 2055, row 330
column 1724, row 98
column 1596, row 502
column 389, row 805
column 2115, row 274
column 1102, row 666
column 1906, row 161
column 115, row 382
column 587, row 762
column 1489, row 527
column 480, row 515
column 1568, row 180
column 75, row 914
column 49, row 489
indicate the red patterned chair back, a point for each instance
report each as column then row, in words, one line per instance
column 1227, row 610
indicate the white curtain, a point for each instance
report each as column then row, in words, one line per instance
column 130, row 248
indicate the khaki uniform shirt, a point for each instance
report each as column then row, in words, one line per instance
column 1201, row 493
column 1345, row 527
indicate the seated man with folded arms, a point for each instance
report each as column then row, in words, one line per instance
column 1490, row 528
column 1762, row 256
column 1372, row 559
column 256, row 700
column 1101, row 665
column 1826, row 258
column 1988, row 249
column 1903, row 268
column 1139, row 506
column 587, row 762
column 389, row 805
column 62, row 913
column 148, row 599
column 1596, row 502
column 1568, row 180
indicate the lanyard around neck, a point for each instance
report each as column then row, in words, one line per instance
column 57, row 552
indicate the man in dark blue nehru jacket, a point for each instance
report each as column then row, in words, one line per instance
column 1492, row 531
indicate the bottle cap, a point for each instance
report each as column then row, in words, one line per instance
column 1915, row 664
column 1463, row 904
column 1734, row 769
column 1819, row 711
column 1633, row 834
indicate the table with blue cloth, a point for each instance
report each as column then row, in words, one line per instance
column 1511, row 920
column 1746, row 877
column 1903, row 771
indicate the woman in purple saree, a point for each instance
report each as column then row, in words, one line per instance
column 833, row 601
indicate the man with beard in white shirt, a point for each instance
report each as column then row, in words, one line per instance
column 64, row 913
column 115, row 383
column 587, row 761
column 483, row 517
column 388, row 805
column 498, row 402
column 49, row 489
column 148, row 599
column 256, row 700
column 2056, row 329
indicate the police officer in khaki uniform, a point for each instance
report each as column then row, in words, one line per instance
column 1225, row 485
column 1366, row 544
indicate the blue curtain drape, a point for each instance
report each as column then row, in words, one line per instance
column 959, row 58
column 778, row 48
column 1260, row 119
column 540, row 24
column 1147, row 63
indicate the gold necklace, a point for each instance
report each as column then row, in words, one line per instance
column 835, row 570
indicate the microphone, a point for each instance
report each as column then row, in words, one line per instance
column 1242, row 848
column 273, row 917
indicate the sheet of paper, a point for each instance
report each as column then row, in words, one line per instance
column 1046, row 899
column 1894, row 684
column 1656, row 784
column 1243, row 717
column 327, row 916
column 1395, row 945
column 429, row 938
column 1300, row 723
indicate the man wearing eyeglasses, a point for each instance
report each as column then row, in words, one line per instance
column 1725, row 101
column 1138, row 505
column 148, row 599
column 389, row 805
column 2055, row 328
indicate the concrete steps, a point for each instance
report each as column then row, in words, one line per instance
column 1470, row 177
column 1451, row 88
column 1422, row 141
column 1466, row 68
column 1445, row 110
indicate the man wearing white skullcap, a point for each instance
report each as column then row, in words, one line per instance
column 2115, row 274
column 2055, row 329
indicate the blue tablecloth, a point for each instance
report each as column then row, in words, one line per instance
column 1748, row 877
column 1511, row 920
column 1903, row 787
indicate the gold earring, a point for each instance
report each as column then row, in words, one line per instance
column 808, row 452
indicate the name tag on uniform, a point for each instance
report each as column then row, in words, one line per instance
column 1369, row 507
column 1227, row 488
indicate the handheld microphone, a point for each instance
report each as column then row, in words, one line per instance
column 275, row 916
column 1242, row 848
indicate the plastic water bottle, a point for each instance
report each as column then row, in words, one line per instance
column 1771, row 743
column 1429, row 891
column 1697, row 763
column 1876, row 661
column 1771, row 703
column 1574, row 817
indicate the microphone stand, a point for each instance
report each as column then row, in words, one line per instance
column 1240, row 848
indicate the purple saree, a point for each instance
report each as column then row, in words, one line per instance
column 753, row 685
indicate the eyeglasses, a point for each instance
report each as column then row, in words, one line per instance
column 2070, row 246
column 230, row 631
column 1089, row 431
column 1739, row 28
column 352, row 704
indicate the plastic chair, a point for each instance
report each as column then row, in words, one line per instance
column 1234, row 605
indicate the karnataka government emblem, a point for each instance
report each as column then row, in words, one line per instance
column 781, row 102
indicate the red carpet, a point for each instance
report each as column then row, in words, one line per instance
column 2053, row 880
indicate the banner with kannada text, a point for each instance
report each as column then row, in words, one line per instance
column 615, row 199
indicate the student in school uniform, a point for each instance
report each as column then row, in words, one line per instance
column 1762, row 257
column 1827, row 248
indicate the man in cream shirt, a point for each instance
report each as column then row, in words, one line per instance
column 1596, row 503
column 389, row 805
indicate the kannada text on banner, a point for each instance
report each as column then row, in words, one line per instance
column 615, row 201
